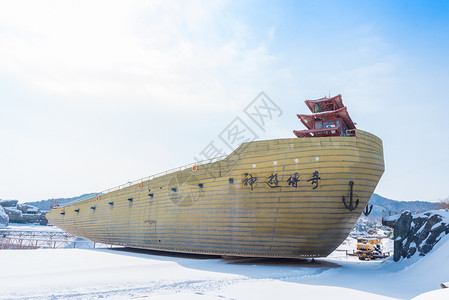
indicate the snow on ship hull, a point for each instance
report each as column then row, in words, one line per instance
column 275, row 198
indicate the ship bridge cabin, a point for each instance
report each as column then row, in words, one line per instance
column 329, row 118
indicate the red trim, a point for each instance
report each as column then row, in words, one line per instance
column 342, row 113
column 334, row 103
column 331, row 131
column 332, row 109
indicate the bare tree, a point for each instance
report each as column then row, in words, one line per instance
column 443, row 204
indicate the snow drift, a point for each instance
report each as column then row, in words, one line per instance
column 4, row 219
column 122, row 273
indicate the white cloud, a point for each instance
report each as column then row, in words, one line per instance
column 124, row 89
column 158, row 53
column 102, row 84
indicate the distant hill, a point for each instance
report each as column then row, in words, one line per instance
column 45, row 204
column 383, row 207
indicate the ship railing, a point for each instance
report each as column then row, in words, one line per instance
column 130, row 183
column 317, row 132
column 34, row 239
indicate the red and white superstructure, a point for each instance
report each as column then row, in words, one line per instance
column 329, row 118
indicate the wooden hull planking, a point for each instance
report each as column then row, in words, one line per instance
column 248, row 204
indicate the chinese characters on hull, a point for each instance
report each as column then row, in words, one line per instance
column 272, row 180
column 314, row 179
column 293, row 180
column 249, row 180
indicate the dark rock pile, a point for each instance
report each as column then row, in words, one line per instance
column 22, row 213
column 4, row 219
column 417, row 233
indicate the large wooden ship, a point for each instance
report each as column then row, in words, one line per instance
column 295, row 197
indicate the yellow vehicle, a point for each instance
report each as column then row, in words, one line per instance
column 369, row 248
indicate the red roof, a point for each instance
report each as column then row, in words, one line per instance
column 311, row 132
column 309, row 120
column 328, row 111
column 326, row 104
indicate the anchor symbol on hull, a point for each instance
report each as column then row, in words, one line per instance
column 367, row 210
column 351, row 206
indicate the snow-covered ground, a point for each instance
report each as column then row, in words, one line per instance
column 123, row 274
column 33, row 227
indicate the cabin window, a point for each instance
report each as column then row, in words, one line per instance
column 328, row 124
column 343, row 129
column 318, row 125
column 130, row 199
column 200, row 185
column 173, row 189
column 151, row 195
column 231, row 180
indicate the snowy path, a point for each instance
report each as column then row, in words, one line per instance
column 72, row 273
column 124, row 274
column 117, row 273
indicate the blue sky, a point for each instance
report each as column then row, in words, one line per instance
column 96, row 93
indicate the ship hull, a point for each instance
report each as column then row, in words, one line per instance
column 276, row 198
